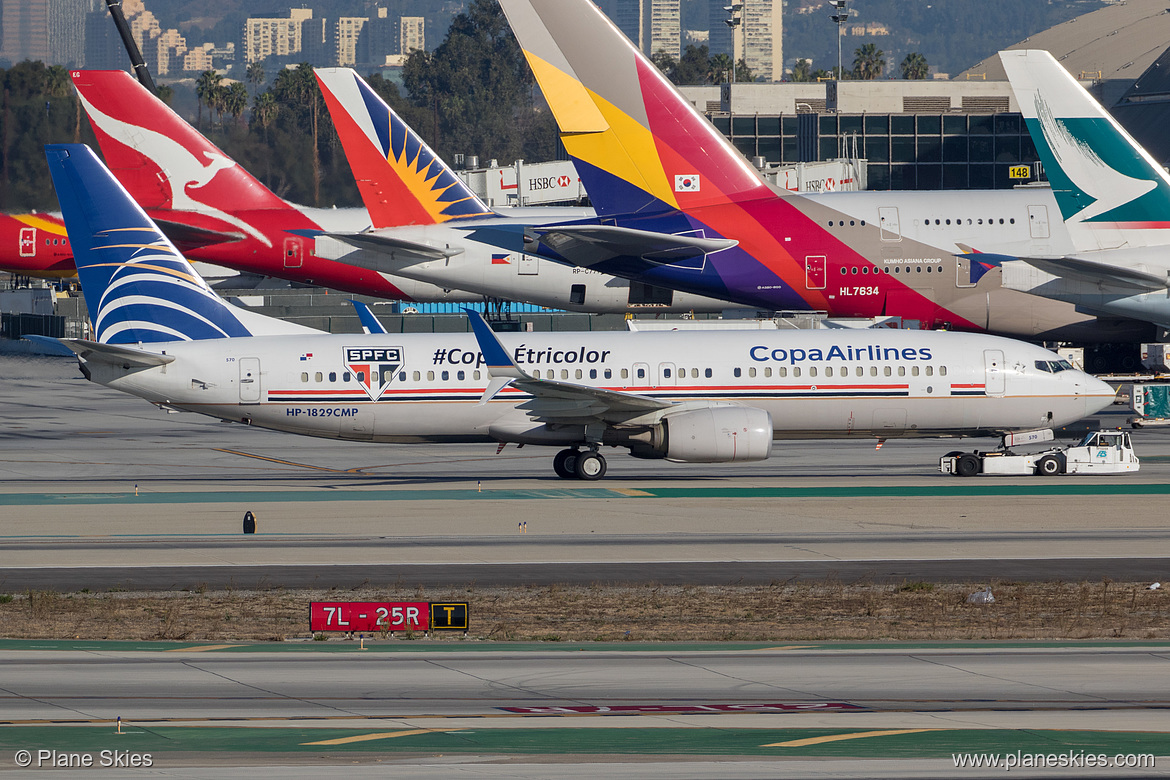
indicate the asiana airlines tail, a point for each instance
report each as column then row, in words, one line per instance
column 163, row 335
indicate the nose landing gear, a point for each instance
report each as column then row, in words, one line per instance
column 574, row 464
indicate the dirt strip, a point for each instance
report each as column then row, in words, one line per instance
column 779, row 612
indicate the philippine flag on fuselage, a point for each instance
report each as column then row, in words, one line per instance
column 501, row 259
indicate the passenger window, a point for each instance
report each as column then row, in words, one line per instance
column 593, row 373
column 361, row 375
column 901, row 370
column 608, row 373
column 812, row 371
column 782, row 371
column 446, row 375
column 752, row 372
column 416, row 376
column 666, row 373
column 914, row 371
column 707, row 373
column 625, row 373
column 942, row 370
column 536, row 374
column 736, row 372
column 873, row 370
column 332, row 376
column 305, row 376
column 345, row 377
column 888, row 371
column 641, row 373
column 578, row 374
column 319, row 377
column 796, row 371
column 564, row 373
column 694, row 373
column 475, row 375
column 930, row 370
column 430, row 376
column 402, row 377
column 828, row 371
column 768, row 371
column 460, row 376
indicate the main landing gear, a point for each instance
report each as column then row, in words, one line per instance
column 575, row 464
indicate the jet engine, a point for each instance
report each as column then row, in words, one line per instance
column 719, row 434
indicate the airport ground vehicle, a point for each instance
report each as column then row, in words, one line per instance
column 1100, row 452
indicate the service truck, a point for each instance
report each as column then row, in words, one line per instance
column 1100, row 452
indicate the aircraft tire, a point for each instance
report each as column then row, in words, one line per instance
column 968, row 465
column 565, row 464
column 590, row 466
column 1049, row 466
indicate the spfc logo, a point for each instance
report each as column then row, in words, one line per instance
column 374, row 367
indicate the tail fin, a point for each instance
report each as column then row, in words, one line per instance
column 1098, row 172
column 137, row 286
column 637, row 143
column 400, row 179
column 163, row 162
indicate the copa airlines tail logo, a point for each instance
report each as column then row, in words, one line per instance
column 441, row 193
column 151, row 294
column 1094, row 187
column 374, row 367
column 185, row 169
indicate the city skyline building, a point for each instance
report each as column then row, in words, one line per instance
column 279, row 36
column 411, row 34
column 664, row 22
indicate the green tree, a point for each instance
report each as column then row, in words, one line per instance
column 720, row 69
column 868, row 62
column 297, row 91
column 235, row 100
column 205, row 88
column 802, row 71
column 264, row 110
column 255, row 74
column 694, row 67
column 914, row 66
column 743, row 73
column 666, row 63
column 166, row 93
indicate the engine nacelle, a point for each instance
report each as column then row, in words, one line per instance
column 719, row 434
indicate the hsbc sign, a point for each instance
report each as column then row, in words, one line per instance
column 538, row 183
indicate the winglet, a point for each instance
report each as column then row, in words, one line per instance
column 501, row 367
column 370, row 323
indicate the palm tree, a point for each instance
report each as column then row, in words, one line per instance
column 743, row 74
column 235, row 100
column 869, row 62
column 914, row 66
column 205, row 88
column 255, row 74
column 802, row 71
column 720, row 69
column 264, row 108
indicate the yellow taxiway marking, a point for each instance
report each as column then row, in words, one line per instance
column 371, row 737
column 842, row 737
column 200, row 649
column 632, row 492
column 283, row 462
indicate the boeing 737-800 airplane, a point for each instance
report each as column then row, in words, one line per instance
column 714, row 396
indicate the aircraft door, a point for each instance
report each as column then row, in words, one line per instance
column 993, row 367
column 667, row 374
column 529, row 265
column 28, row 242
column 891, row 229
column 640, row 375
column 293, row 252
column 963, row 272
column 249, row 380
column 1038, row 221
column 815, row 276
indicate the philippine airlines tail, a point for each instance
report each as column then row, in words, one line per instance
column 1101, row 177
column 638, row 145
column 402, row 181
column 163, row 162
column 137, row 286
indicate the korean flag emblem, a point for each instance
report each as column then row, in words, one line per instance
column 686, row 182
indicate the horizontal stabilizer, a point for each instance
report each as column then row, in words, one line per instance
column 588, row 245
column 188, row 238
column 92, row 351
column 1087, row 269
column 394, row 250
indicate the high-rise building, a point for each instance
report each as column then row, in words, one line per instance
column 265, row 37
column 171, row 46
column 758, row 39
column 411, row 34
column 67, row 32
column 25, row 30
column 664, row 28
column 349, row 31
column 103, row 46
column 627, row 16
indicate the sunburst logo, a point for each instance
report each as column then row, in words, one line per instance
column 439, row 191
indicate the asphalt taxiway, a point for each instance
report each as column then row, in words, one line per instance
column 98, row 489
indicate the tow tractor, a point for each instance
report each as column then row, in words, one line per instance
column 1100, row 452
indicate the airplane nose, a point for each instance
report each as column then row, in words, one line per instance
column 1098, row 395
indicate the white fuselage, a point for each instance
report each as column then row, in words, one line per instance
column 426, row 387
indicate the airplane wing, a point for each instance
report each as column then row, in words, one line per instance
column 92, row 351
column 554, row 401
column 588, row 245
column 1094, row 271
column 390, row 252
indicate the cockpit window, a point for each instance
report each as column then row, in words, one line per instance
column 1054, row 366
column 1043, row 366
